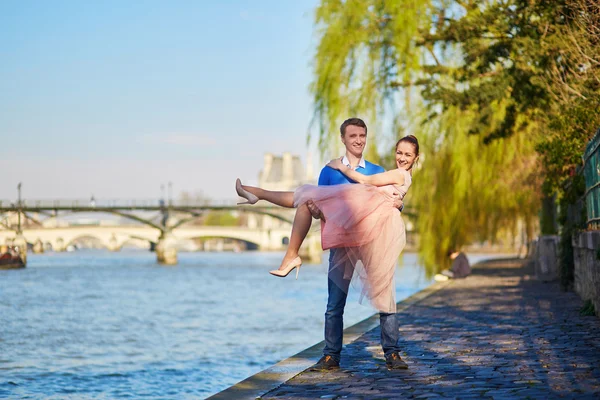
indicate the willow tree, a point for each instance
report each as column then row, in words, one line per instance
column 457, row 75
column 364, row 47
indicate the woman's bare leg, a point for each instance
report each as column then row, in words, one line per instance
column 300, row 228
column 283, row 199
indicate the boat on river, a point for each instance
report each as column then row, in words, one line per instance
column 11, row 260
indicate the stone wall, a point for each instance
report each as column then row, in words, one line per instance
column 586, row 249
column 546, row 258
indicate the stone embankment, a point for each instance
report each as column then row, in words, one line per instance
column 498, row 334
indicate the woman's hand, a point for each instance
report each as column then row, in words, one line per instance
column 336, row 164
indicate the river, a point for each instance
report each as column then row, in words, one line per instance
column 95, row 324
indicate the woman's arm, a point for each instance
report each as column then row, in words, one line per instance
column 393, row 177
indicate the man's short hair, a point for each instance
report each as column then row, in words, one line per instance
column 352, row 121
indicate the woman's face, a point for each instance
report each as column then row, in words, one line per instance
column 405, row 155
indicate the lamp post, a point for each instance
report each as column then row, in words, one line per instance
column 170, row 193
column 19, row 209
column 161, row 202
column 19, row 242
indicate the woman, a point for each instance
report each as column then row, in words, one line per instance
column 360, row 221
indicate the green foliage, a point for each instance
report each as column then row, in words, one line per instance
column 573, row 85
column 571, row 218
column 548, row 216
column 468, row 191
column 503, row 96
column 220, row 218
column 565, row 140
column 562, row 152
column 588, row 309
column 364, row 47
column 499, row 65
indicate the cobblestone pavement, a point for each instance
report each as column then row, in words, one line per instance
column 497, row 334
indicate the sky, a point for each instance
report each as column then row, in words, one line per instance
column 115, row 98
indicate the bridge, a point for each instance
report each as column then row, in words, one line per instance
column 114, row 237
column 163, row 230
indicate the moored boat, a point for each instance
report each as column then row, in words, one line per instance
column 11, row 260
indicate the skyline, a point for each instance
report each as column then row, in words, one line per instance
column 113, row 99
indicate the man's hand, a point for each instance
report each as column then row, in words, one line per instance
column 398, row 201
column 314, row 210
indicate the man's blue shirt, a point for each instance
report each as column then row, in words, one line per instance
column 330, row 176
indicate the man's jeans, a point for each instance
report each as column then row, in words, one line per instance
column 334, row 323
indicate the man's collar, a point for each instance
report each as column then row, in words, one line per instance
column 361, row 163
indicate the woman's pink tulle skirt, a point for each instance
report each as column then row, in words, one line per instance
column 367, row 233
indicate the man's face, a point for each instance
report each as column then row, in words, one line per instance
column 355, row 138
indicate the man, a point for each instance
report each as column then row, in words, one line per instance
column 354, row 137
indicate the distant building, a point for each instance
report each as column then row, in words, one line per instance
column 284, row 173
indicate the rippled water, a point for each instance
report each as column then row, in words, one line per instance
column 94, row 324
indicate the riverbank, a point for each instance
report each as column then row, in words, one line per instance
column 497, row 334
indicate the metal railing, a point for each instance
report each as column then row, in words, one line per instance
column 591, row 173
column 76, row 203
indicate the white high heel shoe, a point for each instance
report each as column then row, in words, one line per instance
column 245, row 194
column 282, row 273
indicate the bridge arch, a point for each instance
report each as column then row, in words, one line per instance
column 151, row 242
column 253, row 244
column 73, row 240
